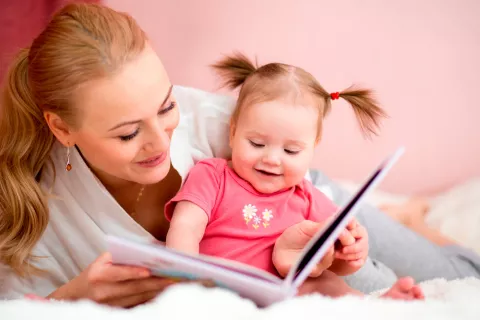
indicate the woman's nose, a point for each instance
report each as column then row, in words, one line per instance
column 158, row 140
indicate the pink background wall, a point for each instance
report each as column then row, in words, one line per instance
column 422, row 57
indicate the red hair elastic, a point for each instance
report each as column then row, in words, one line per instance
column 335, row 95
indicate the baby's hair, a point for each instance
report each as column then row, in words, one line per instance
column 278, row 80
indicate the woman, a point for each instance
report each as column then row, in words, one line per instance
column 92, row 143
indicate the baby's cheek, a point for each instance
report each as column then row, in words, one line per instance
column 296, row 174
column 300, row 167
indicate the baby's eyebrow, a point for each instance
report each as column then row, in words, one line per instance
column 255, row 133
column 297, row 143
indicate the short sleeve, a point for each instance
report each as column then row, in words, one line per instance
column 201, row 187
column 321, row 207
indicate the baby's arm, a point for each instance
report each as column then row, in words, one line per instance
column 190, row 210
column 186, row 227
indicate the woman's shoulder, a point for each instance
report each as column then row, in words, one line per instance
column 197, row 101
column 203, row 129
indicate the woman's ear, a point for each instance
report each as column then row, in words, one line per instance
column 59, row 128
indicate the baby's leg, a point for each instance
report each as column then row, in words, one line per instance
column 329, row 284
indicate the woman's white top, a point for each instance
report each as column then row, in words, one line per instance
column 85, row 212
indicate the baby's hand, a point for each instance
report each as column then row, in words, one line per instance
column 324, row 264
column 289, row 246
column 351, row 250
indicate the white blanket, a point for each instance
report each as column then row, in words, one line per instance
column 456, row 212
column 445, row 300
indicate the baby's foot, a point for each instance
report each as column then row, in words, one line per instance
column 404, row 289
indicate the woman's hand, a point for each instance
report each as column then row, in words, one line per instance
column 290, row 244
column 105, row 283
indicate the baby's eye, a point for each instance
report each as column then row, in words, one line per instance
column 291, row 151
column 256, row 145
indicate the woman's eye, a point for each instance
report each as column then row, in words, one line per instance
column 291, row 151
column 170, row 107
column 130, row 136
column 256, row 145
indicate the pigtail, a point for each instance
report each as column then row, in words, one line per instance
column 365, row 106
column 234, row 69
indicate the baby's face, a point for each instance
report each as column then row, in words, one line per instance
column 273, row 144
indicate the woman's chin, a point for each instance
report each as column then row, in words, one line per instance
column 153, row 175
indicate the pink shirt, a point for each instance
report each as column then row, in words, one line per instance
column 244, row 224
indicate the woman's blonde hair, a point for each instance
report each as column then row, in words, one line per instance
column 82, row 42
column 278, row 80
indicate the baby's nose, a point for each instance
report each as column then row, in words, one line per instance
column 272, row 160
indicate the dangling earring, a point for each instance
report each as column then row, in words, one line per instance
column 68, row 167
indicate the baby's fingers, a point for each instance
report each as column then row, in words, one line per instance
column 352, row 224
column 346, row 238
column 354, row 248
column 357, row 263
column 349, row 256
column 317, row 271
column 359, row 232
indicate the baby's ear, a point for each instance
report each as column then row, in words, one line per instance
column 319, row 138
column 232, row 134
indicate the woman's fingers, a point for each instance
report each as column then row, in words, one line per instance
column 134, row 300
column 102, row 270
column 119, row 273
column 110, row 293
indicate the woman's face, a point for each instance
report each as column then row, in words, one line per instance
column 127, row 122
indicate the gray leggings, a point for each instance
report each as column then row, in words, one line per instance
column 396, row 251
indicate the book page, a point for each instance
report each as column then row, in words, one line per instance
column 325, row 238
column 257, row 285
column 158, row 255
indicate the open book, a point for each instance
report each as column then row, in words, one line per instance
column 258, row 285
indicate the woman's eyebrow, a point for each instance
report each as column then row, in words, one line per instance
column 169, row 93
